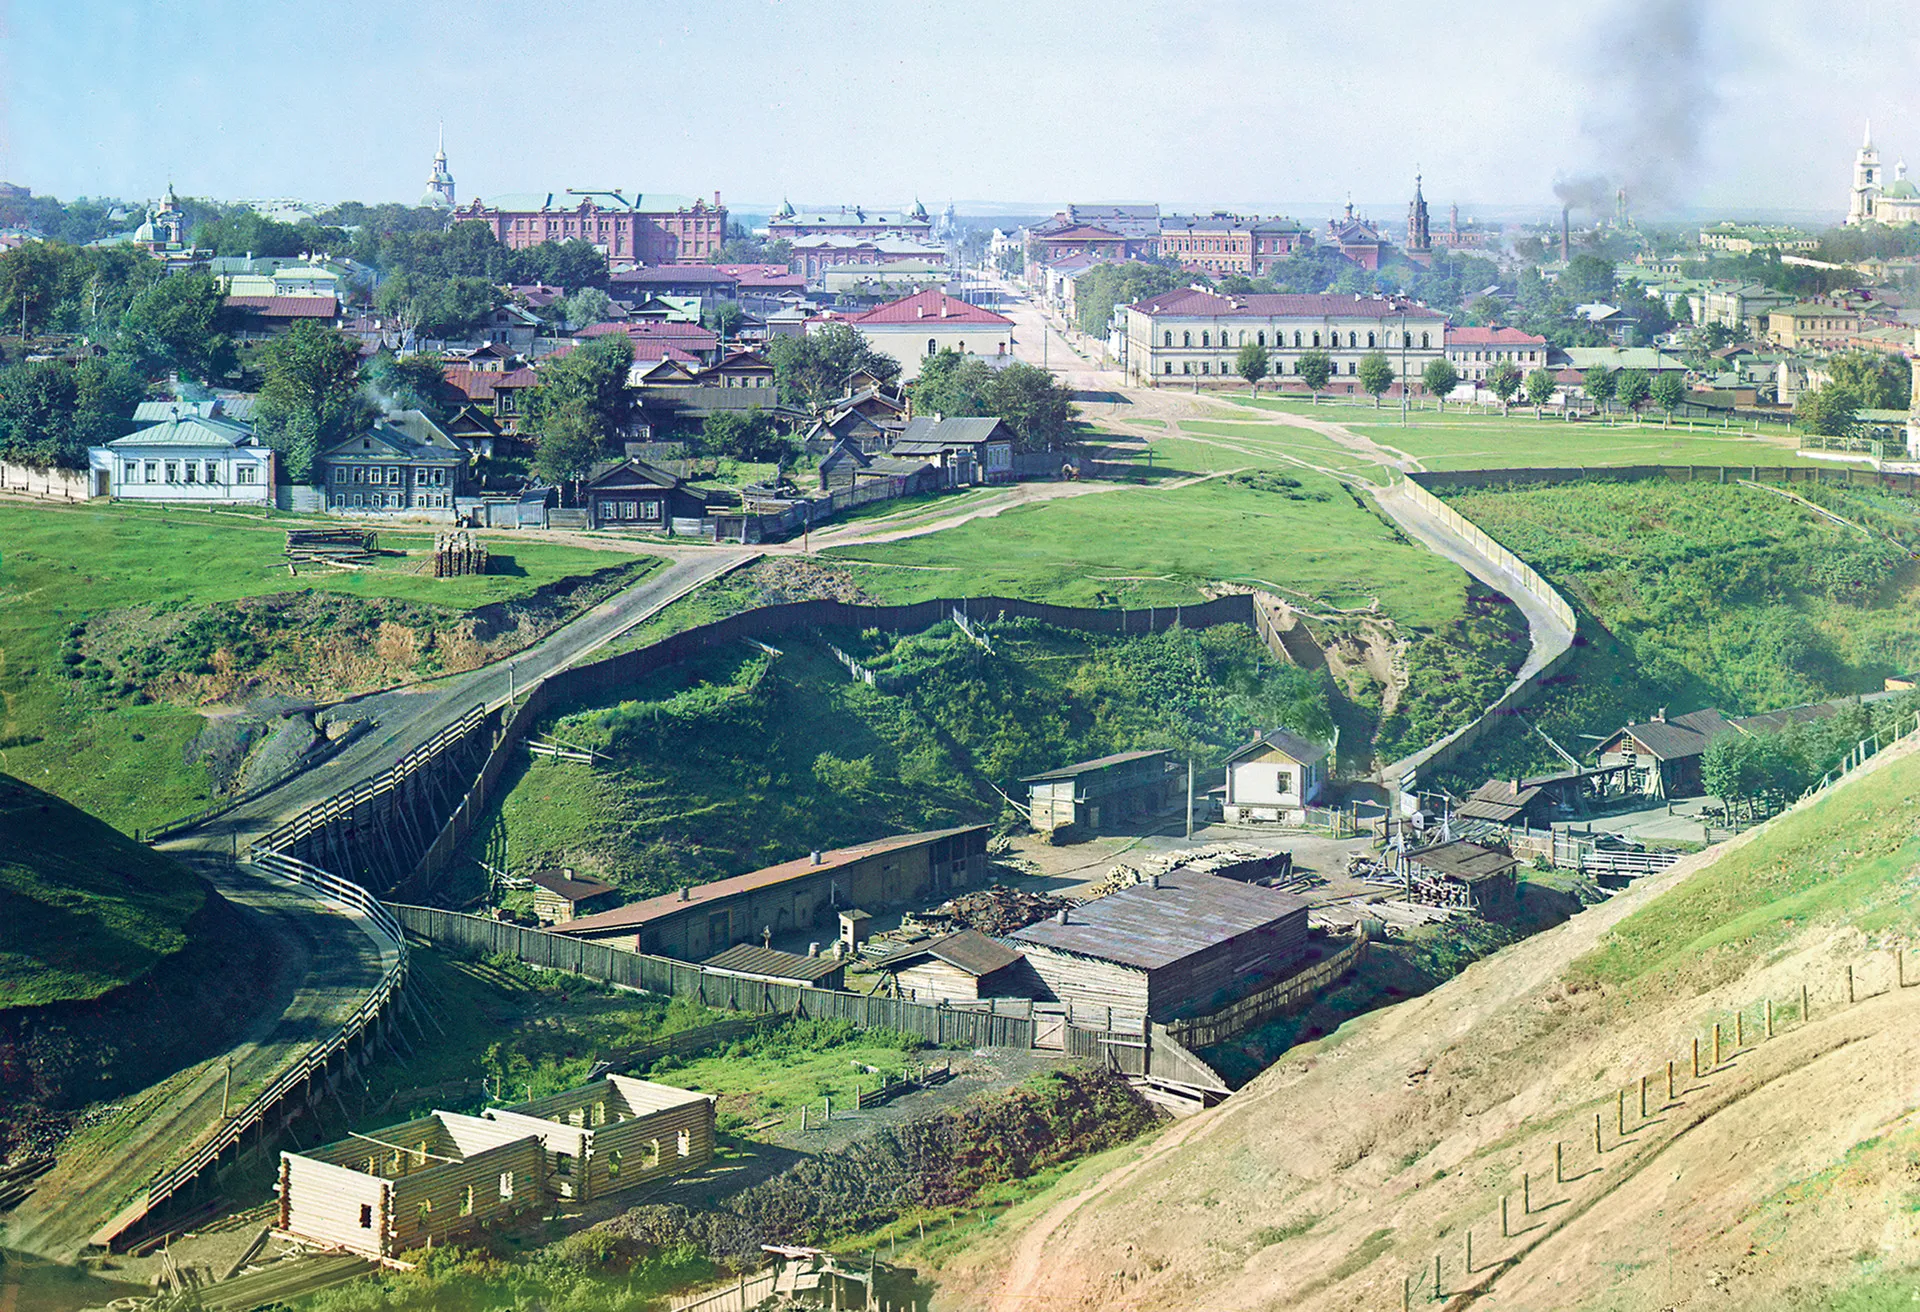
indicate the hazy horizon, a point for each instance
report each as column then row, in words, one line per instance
column 1714, row 106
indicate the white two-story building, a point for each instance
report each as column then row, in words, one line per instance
column 1180, row 336
column 191, row 457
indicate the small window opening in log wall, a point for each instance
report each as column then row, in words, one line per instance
column 506, row 1184
column 366, row 1216
column 686, row 1143
column 614, row 1161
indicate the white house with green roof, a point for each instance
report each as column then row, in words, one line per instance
column 190, row 457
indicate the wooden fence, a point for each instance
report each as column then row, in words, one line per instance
column 1275, row 1000
column 745, row 1294
column 664, row 975
column 1880, row 480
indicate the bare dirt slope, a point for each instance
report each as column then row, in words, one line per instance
column 1790, row 1171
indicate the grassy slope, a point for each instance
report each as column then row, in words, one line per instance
column 82, row 909
column 726, row 763
column 61, row 566
column 1694, row 595
column 1161, row 545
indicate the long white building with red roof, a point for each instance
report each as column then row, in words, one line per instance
column 926, row 323
column 1477, row 352
column 1189, row 334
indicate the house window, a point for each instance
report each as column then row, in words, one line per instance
column 1204, row 340
column 1316, row 339
column 686, row 1143
column 173, row 471
column 1423, row 340
column 130, row 472
column 466, row 1202
column 366, row 1216
column 1282, row 781
column 243, row 473
column 192, row 471
column 506, row 1184
column 1260, row 339
column 1206, row 366
column 650, row 511
column 563, row 1164
column 1369, row 339
column 340, row 500
column 1169, row 339
column 933, row 347
column 1296, row 339
column 1186, row 339
column 393, row 476
column 1352, row 367
column 1169, row 368
column 213, row 471
column 615, row 1160
column 1353, row 339
column 1186, row 366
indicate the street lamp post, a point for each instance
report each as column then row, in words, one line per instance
column 1404, row 385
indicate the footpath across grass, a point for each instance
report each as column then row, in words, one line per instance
column 61, row 567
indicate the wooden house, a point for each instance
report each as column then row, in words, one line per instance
column 405, row 466
column 615, row 1133
column 405, row 1186
column 968, row 451
column 847, row 467
column 1178, row 943
column 772, row 966
column 851, row 426
column 1275, row 777
column 1662, row 756
column 808, row 892
column 560, row 895
column 1106, row 793
column 1471, row 876
column 636, row 495
column 1516, row 803
column 966, row 966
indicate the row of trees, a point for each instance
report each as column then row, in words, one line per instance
column 1745, row 768
column 1029, row 400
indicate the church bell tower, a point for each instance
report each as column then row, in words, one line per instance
column 1419, row 238
column 1866, row 181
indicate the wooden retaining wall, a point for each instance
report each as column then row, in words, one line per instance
column 1258, row 1008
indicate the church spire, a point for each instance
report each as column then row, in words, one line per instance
column 1866, row 142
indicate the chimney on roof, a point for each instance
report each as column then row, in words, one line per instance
column 919, row 311
column 813, row 949
column 816, row 856
column 1153, row 880
column 1060, row 916
column 1660, row 716
column 566, row 871
column 1514, row 784
column 684, row 894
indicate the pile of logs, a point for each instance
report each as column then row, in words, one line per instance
column 459, row 553
column 331, row 546
column 994, row 911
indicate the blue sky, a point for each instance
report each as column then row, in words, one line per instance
column 1735, row 103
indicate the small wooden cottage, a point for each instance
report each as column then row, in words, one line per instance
column 1175, row 943
column 966, row 966
column 772, row 966
column 1275, row 777
column 405, row 1186
column 1106, row 793
column 560, row 895
column 634, row 494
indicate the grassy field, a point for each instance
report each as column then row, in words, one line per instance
column 82, row 908
column 61, row 568
column 1160, row 545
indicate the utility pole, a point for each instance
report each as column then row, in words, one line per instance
column 226, row 1091
column 1189, row 797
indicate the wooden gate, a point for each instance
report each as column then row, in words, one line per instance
column 1050, row 1030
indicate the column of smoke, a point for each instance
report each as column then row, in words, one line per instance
column 1652, row 87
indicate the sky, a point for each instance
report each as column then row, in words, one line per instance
column 1255, row 107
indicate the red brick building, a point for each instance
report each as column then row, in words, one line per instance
column 648, row 229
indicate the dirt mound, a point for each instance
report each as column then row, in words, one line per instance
column 1786, row 1170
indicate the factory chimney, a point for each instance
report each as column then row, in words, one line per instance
column 1566, row 234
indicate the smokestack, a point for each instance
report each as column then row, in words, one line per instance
column 1060, row 916
column 1566, row 234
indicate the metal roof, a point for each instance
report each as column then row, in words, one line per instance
column 1149, row 927
column 771, row 963
column 1468, row 862
column 189, row 431
column 1284, row 741
column 1097, row 763
column 966, row 949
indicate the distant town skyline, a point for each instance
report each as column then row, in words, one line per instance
column 1698, row 106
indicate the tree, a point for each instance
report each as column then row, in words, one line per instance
column 1033, row 404
column 813, row 369
column 589, row 305
column 439, row 307
column 1669, row 393
column 413, row 383
column 37, row 402
column 725, row 318
column 105, row 393
column 309, row 397
column 1829, row 411
column 1440, row 378
column 570, row 443
column 1485, row 311
column 30, row 277
column 1599, row 383
column 1314, row 369
column 743, row 435
column 1540, row 386
column 1589, row 278
column 1121, row 282
column 1632, row 387
column 586, row 387
column 1376, row 375
column 1881, row 381
column 1252, row 364
column 175, row 325
column 1503, row 380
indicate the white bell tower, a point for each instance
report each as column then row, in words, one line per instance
column 1866, row 181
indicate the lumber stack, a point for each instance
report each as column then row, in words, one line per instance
column 335, row 546
column 460, row 553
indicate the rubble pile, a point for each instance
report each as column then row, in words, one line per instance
column 995, row 911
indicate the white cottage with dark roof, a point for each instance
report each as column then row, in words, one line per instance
column 193, row 455
column 1275, row 777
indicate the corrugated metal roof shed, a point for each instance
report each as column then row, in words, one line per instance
column 1149, row 926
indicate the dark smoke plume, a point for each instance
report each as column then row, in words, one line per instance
column 1652, row 96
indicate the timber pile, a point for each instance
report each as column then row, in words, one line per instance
column 455, row 554
column 331, row 546
column 1224, row 859
column 994, row 910
column 16, row 1181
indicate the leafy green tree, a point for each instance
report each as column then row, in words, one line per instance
column 589, row 305
column 1589, row 278
column 725, row 318
column 1881, row 381
column 587, row 386
column 1035, row 406
column 1252, row 364
column 438, row 307
column 1122, row 282
column 1669, row 393
column 1829, row 411
column 1503, row 380
column 570, row 443
column 1540, row 386
column 309, row 397
column 1440, row 378
column 1314, row 369
column 1376, row 375
column 1485, row 311
column 414, row 383
column 175, row 324
column 37, row 402
column 743, row 435
column 1631, row 388
column 1599, row 382
column 813, row 369
column 30, row 278
column 105, row 393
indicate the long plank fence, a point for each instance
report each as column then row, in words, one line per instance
column 1258, row 1008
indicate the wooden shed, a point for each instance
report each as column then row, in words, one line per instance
column 615, row 1133
column 1459, row 874
column 561, row 895
column 750, row 961
column 1104, row 793
column 965, row 966
column 696, row 923
column 1174, row 943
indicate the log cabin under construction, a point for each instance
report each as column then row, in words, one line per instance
column 700, row 922
column 408, row 1185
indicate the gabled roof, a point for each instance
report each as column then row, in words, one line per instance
column 771, row 963
column 1148, row 926
column 691, row 336
column 1678, row 736
column 966, row 949
column 407, row 434
column 1492, row 337
column 573, row 890
column 286, row 307
column 1470, row 863
column 1281, row 740
column 1097, row 763
column 1083, row 232
column 927, row 435
column 636, row 914
column 158, row 412
column 930, row 305
column 638, row 471
column 189, row 431
column 674, row 274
